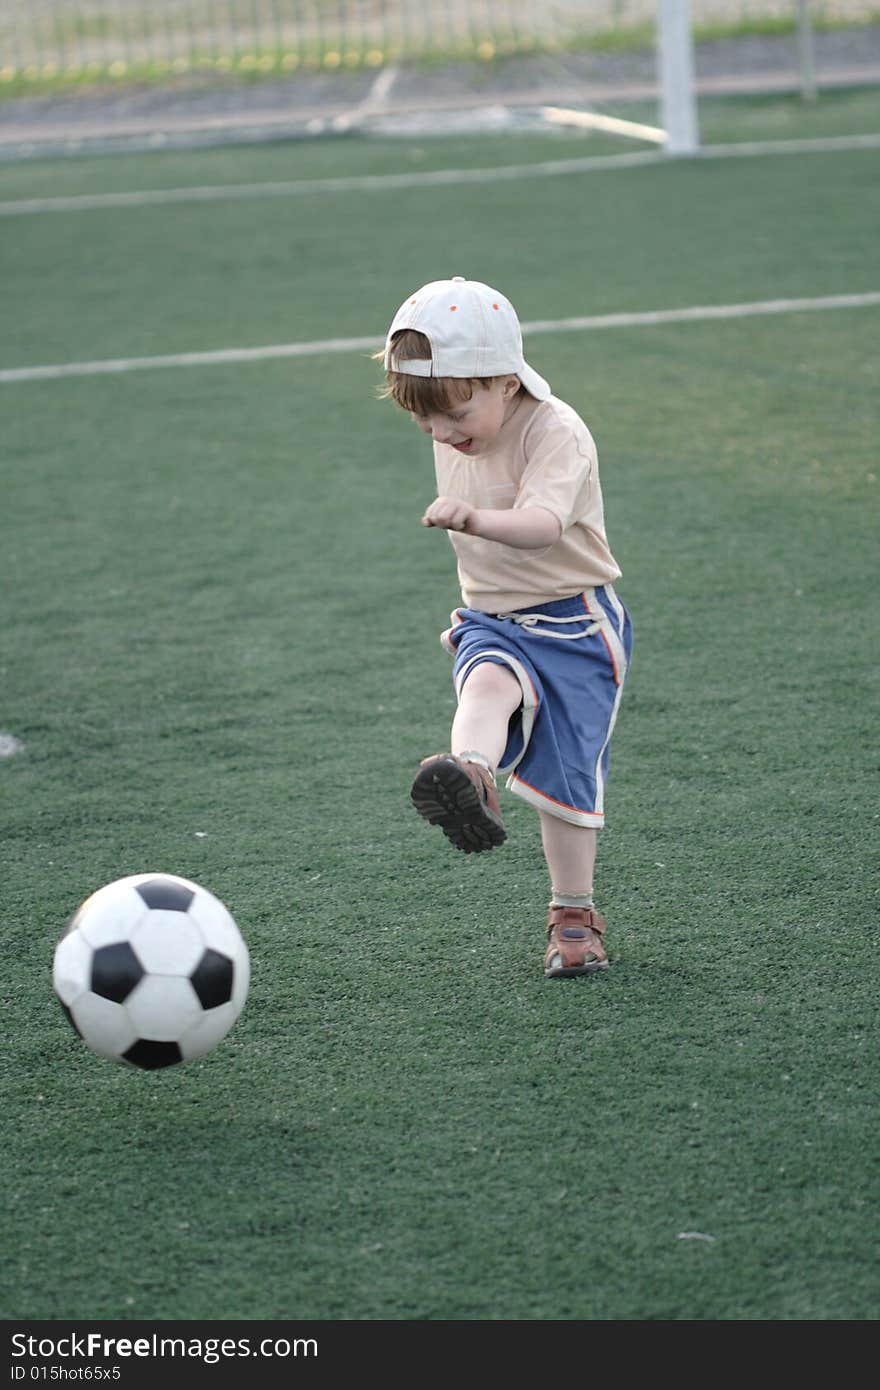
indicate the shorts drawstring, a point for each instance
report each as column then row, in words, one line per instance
column 529, row 623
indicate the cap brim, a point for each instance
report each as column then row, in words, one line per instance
column 534, row 384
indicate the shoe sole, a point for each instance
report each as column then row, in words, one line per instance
column 444, row 795
column 564, row 973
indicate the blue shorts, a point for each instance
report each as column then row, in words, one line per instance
column 570, row 658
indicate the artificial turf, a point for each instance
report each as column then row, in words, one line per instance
column 220, row 654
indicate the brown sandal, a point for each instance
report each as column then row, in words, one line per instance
column 574, row 942
column 460, row 797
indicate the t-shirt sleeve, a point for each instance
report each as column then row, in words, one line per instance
column 560, row 467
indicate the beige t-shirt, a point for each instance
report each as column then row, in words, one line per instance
column 543, row 456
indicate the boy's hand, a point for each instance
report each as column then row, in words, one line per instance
column 450, row 513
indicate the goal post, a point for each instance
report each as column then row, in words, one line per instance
column 677, row 128
column 675, row 72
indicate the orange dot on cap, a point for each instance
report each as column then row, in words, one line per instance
column 452, row 308
column 496, row 306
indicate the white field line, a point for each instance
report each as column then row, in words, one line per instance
column 369, row 183
column 360, row 183
column 320, row 346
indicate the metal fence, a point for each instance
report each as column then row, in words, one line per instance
column 48, row 40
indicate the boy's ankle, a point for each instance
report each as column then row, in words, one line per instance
column 571, row 899
column 472, row 756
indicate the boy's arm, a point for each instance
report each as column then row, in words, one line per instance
column 524, row 528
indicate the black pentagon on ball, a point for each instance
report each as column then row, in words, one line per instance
column 115, row 971
column 153, row 1055
column 212, row 979
column 166, row 894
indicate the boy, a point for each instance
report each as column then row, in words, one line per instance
column 542, row 642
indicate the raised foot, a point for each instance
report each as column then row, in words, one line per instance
column 462, row 799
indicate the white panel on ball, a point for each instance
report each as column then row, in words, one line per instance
column 167, row 943
column 72, row 966
column 242, row 981
column 109, row 915
column 207, row 1032
column 161, row 1006
column 106, row 1025
column 217, row 926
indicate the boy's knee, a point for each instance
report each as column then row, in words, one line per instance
column 491, row 681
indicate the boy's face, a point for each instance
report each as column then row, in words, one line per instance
column 472, row 426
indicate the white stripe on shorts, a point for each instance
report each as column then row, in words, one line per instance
column 618, row 609
column 590, row 820
column 618, row 657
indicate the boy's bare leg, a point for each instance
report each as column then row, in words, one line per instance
column 570, row 851
column 489, row 697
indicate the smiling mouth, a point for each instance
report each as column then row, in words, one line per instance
column 463, row 445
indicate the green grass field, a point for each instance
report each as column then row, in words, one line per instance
column 220, row 652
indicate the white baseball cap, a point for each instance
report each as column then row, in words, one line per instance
column 473, row 331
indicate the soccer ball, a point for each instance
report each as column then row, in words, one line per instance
column 152, row 970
